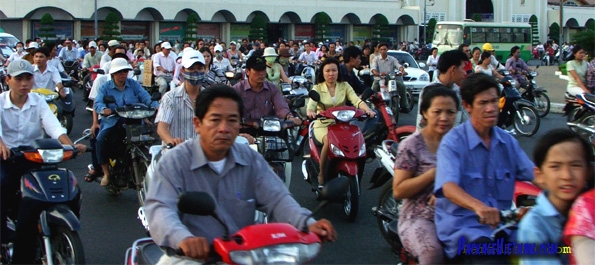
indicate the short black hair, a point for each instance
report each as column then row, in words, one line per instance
column 44, row 50
column 462, row 46
column 351, row 52
column 484, row 56
column 451, row 58
column 432, row 50
column 50, row 45
column 320, row 74
column 436, row 90
column 555, row 137
column 514, row 49
column 475, row 84
column 120, row 55
column 382, row 44
column 206, row 97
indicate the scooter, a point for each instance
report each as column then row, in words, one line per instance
column 347, row 153
column 261, row 243
column 63, row 108
column 580, row 112
column 388, row 208
column 58, row 191
column 515, row 110
column 535, row 94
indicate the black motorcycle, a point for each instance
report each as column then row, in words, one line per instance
column 535, row 94
column 516, row 111
column 55, row 188
column 72, row 68
column 129, row 158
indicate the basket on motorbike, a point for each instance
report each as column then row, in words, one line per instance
column 136, row 133
column 136, row 130
column 276, row 149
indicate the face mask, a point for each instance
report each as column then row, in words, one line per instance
column 284, row 61
column 219, row 56
column 19, row 49
column 194, row 78
column 270, row 60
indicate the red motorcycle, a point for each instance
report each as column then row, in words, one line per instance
column 347, row 154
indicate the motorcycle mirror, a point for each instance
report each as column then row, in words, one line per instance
column 196, row 203
column 314, row 95
column 101, row 72
column 406, row 65
column 156, row 96
column 109, row 99
column 136, row 71
column 300, row 102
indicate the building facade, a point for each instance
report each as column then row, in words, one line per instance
column 230, row 19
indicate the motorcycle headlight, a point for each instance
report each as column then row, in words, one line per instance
column 392, row 75
column 136, row 114
column 362, row 149
column 336, row 150
column 271, row 125
column 344, row 115
column 424, row 77
column 276, row 254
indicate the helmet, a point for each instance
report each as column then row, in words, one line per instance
column 487, row 47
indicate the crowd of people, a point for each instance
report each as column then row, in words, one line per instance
column 454, row 174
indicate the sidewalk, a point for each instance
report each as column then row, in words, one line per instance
column 555, row 86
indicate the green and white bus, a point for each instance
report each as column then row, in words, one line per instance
column 448, row 35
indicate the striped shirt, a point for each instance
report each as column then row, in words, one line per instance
column 214, row 76
column 177, row 110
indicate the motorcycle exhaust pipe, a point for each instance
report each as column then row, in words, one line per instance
column 581, row 126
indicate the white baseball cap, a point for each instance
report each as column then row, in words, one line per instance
column 19, row 67
column 191, row 57
column 93, row 45
column 33, row 45
column 165, row 45
column 113, row 43
column 119, row 64
column 218, row 48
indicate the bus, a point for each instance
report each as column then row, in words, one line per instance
column 448, row 35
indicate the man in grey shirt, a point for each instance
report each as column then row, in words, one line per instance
column 382, row 66
column 239, row 180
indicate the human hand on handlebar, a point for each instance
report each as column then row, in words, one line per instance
column 175, row 141
column 311, row 114
column 371, row 113
column 488, row 215
column 324, row 229
column 195, row 247
column 106, row 112
column 80, row 148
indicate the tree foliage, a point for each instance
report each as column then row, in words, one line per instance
column 380, row 30
column 191, row 28
column 476, row 17
column 430, row 29
column 47, row 30
column 321, row 28
column 534, row 29
column 554, row 32
column 258, row 28
column 111, row 27
column 585, row 38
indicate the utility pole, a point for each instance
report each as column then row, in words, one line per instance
column 425, row 23
column 561, row 32
column 95, row 17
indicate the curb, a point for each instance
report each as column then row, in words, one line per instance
column 557, row 107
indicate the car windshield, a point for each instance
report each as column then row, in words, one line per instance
column 404, row 58
column 448, row 35
column 5, row 51
column 8, row 41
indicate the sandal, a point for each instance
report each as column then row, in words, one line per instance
column 90, row 177
column 104, row 181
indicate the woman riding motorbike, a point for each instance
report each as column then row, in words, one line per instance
column 333, row 92
column 415, row 170
column 275, row 71
column 213, row 75
column 125, row 91
column 577, row 72
column 516, row 66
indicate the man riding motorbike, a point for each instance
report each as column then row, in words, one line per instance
column 384, row 65
column 24, row 118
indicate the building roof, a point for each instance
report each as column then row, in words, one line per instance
column 580, row 2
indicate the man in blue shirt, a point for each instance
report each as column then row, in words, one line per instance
column 477, row 166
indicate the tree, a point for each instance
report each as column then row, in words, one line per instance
column 476, row 17
column 321, row 28
column 47, row 30
column 430, row 29
column 534, row 29
column 554, row 32
column 380, row 30
column 586, row 38
column 191, row 28
column 111, row 28
column 258, row 28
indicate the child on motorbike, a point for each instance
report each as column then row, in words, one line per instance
column 415, row 170
column 561, row 168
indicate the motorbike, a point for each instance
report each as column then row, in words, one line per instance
column 388, row 208
column 63, row 108
column 71, row 68
column 260, row 243
column 580, row 112
column 238, row 75
column 515, row 110
column 88, row 84
column 129, row 160
column 296, row 94
column 347, row 154
column 58, row 240
column 3, row 85
column 272, row 141
column 535, row 94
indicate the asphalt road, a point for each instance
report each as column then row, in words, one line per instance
column 109, row 223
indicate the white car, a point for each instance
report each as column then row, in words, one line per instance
column 416, row 78
column 7, row 44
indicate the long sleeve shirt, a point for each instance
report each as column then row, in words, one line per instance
column 246, row 183
column 267, row 101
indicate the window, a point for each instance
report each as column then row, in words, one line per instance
column 438, row 16
column 521, row 18
column 570, row 3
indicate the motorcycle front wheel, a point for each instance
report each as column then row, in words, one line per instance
column 351, row 202
column 67, row 247
column 410, row 102
column 589, row 121
column 542, row 104
column 526, row 120
column 66, row 122
column 140, row 171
